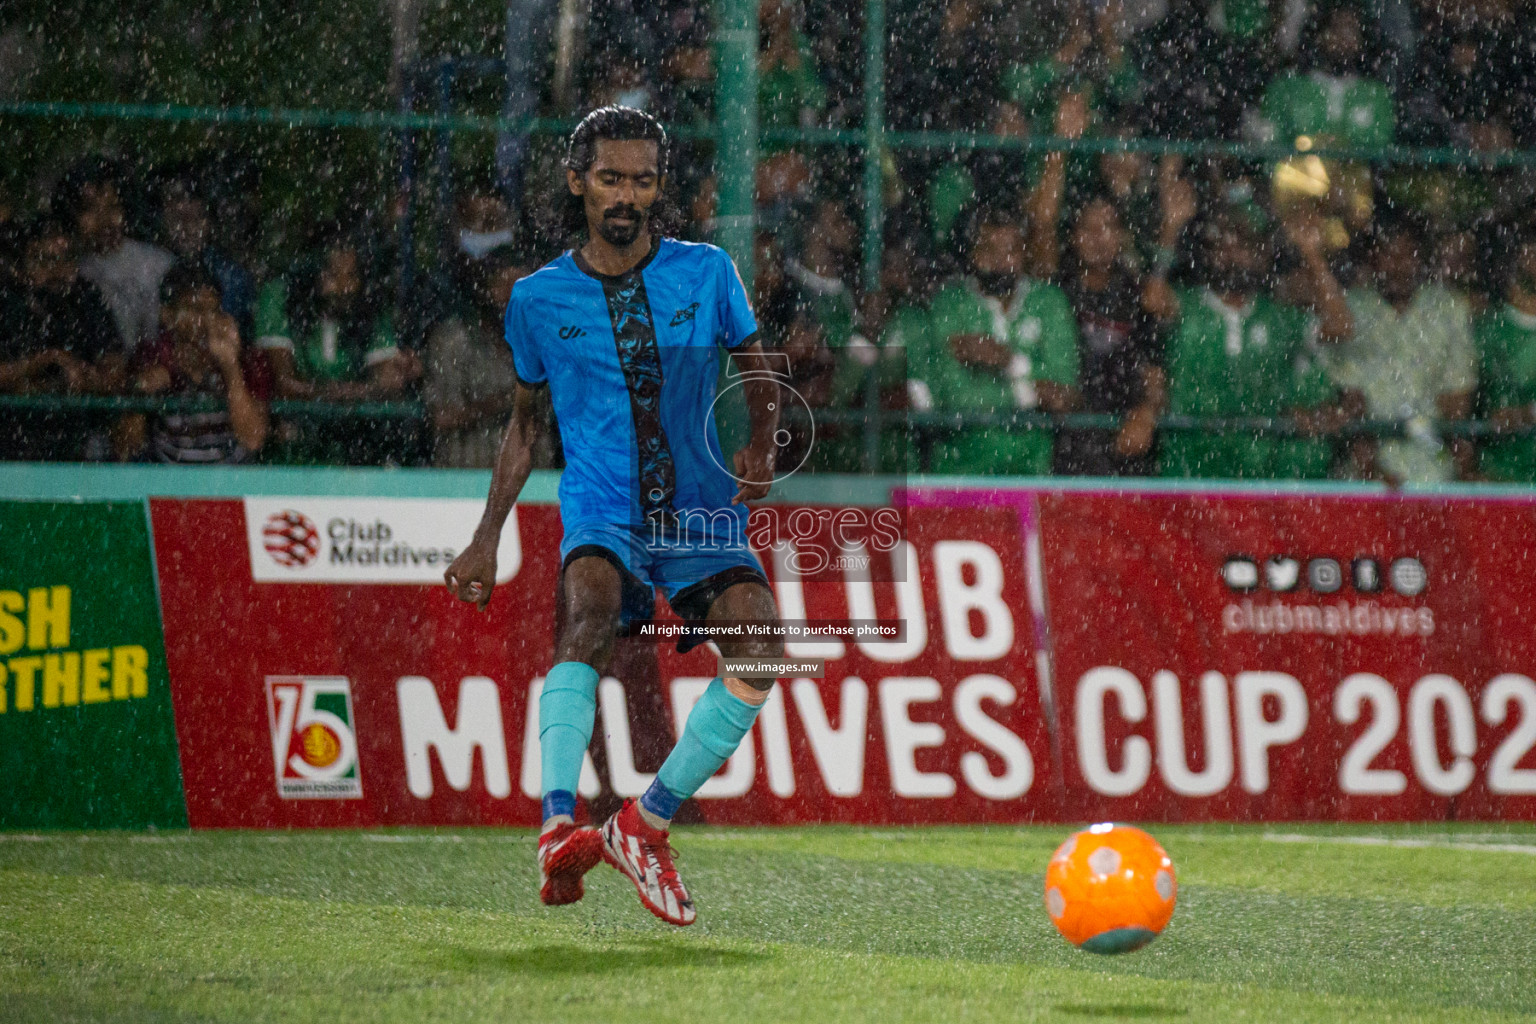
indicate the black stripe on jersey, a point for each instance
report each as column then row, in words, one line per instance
column 634, row 336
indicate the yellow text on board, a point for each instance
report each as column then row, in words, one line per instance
column 39, row 621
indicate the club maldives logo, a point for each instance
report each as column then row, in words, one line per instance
column 291, row 538
column 314, row 743
column 366, row 540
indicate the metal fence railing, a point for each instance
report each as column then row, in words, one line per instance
column 736, row 136
column 920, row 429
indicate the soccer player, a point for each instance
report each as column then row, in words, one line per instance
column 625, row 331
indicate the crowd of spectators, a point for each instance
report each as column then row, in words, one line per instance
column 1317, row 290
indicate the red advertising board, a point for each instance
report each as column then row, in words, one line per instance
column 1068, row 656
column 353, row 691
column 1243, row 658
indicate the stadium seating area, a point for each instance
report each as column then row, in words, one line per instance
column 1133, row 302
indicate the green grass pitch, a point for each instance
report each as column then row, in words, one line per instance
column 1275, row 923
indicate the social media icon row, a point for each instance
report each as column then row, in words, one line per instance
column 1283, row 574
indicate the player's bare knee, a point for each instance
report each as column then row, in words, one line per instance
column 588, row 635
column 591, row 612
column 752, row 647
column 745, row 602
column 750, row 689
column 590, row 627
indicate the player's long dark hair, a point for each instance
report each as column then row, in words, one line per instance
column 616, row 124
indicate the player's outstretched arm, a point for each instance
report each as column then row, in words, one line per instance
column 472, row 576
column 755, row 460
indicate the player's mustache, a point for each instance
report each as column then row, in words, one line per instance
column 622, row 210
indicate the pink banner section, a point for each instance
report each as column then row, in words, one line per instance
column 1066, row 656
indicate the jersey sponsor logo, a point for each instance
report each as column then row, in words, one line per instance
column 366, row 540
column 570, row 331
column 314, row 743
column 685, row 314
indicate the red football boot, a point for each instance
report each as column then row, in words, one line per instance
column 644, row 856
column 566, row 852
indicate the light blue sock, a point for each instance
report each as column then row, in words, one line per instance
column 567, row 708
column 715, row 728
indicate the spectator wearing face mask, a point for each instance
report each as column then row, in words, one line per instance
column 481, row 221
column 625, row 84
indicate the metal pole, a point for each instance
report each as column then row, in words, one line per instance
column 874, row 138
column 874, row 204
column 405, row 281
column 736, row 130
column 447, row 71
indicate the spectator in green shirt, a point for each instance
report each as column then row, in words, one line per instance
column 822, row 266
column 325, row 339
column 1506, row 343
column 1233, row 351
column 819, row 276
column 789, row 90
column 1006, row 343
column 1330, row 100
column 1090, row 60
column 1090, row 69
column 1409, row 357
column 1004, row 176
column 897, row 315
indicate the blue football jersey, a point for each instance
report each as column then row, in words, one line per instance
column 631, row 363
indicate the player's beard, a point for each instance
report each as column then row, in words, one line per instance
column 621, row 235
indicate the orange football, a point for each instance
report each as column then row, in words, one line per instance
column 1110, row 889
